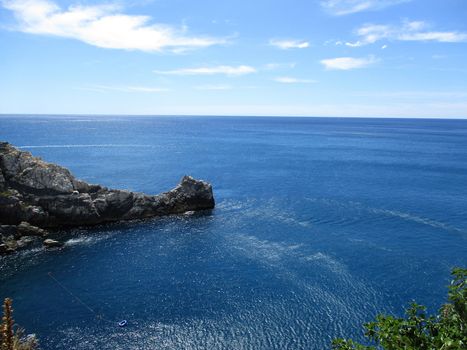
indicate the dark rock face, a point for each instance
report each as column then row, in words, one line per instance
column 35, row 194
column 25, row 229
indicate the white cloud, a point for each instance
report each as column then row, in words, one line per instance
column 346, row 7
column 446, row 37
column 213, row 87
column 276, row 66
column 407, row 31
column 226, row 70
column 347, row 63
column 102, row 26
column 291, row 80
column 289, row 44
column 355, row 44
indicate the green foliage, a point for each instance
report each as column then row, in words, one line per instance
column 11, row 339
column 418, row 331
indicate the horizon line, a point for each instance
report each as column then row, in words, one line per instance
column 224, row 116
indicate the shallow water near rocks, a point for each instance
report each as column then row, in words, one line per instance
column 319, row 225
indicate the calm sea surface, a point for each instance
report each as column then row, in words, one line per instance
column 319, row 225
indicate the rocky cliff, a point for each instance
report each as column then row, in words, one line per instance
column 41, row 195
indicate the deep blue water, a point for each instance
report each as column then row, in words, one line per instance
column 320, row 224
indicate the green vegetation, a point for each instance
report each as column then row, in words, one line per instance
column 11, row 339
column 418, row 331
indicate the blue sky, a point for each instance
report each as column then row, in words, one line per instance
column 369, row 58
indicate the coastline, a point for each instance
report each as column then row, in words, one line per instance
column 36, row 195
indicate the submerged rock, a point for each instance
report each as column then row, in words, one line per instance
column 35, row 195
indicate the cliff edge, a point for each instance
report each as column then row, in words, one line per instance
column 45, row 195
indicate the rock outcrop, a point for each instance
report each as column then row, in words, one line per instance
column 35, row 195
column 51, row 243
column 17, row 237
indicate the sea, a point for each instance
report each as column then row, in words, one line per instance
column 320, row 224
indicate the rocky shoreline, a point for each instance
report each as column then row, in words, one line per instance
column 36, row 196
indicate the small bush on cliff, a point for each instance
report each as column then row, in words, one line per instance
column 418, row 331
column 10, row 338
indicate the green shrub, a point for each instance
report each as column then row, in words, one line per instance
column 418, row 331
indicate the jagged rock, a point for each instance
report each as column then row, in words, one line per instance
column 24, row 242
column 26, row 229
column 2, row 181
column 47, row 195
column 5, row 249
column 14, row 238
column 32, row 174
column 7, row 239
column 51, row 243
column 10, row 242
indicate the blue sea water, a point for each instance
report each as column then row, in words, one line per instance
column 320, row 224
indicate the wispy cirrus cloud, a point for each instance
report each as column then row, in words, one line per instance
column 104, row 26
column 292, row 80
column 277, row 66
column 225, row 70
column 347, row 63
column 286, row 44
column 407, row 31
column 346, row 7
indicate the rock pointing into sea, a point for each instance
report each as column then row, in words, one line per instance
column 35, row 195
column 51, row 243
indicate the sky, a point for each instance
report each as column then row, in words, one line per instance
column 349, row 58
